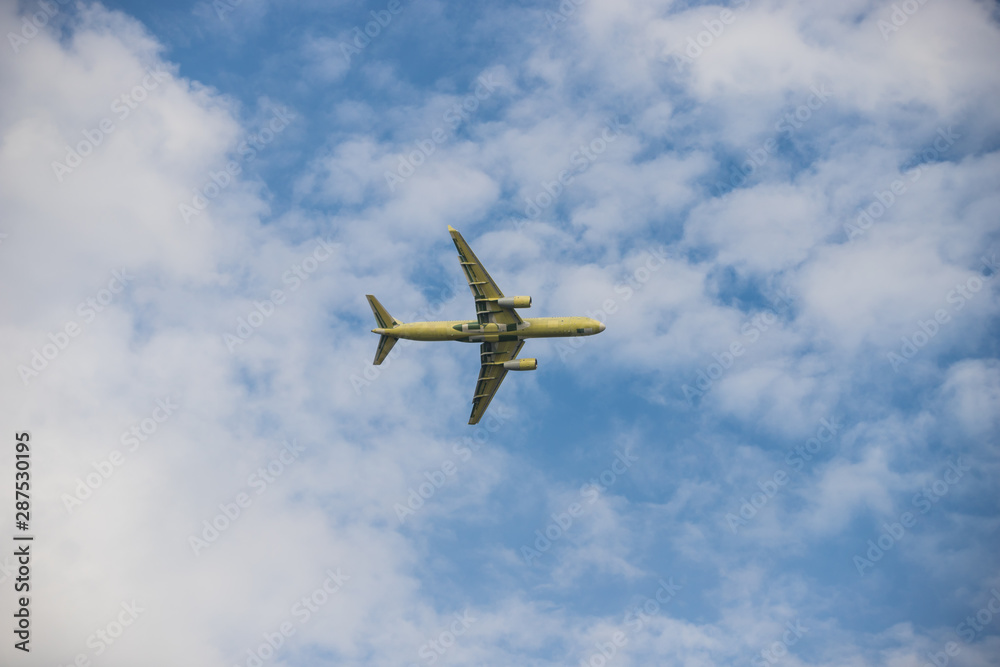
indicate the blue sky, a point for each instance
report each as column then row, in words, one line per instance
column 782, row 450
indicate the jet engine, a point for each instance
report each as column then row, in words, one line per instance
column 521, row 364
column 514, row 302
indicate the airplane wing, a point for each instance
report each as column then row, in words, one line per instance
column 492, row 355
column 491, row 373
column 483, row 288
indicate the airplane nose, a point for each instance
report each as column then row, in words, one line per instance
column 600, row 327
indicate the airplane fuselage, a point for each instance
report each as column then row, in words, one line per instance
column 467, row 331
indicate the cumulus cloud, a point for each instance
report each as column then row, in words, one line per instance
column 762, row 220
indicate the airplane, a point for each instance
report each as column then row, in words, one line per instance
column 497, row 327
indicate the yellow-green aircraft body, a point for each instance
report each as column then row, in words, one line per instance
column 497, row 327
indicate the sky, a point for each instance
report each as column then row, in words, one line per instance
column 783, row 450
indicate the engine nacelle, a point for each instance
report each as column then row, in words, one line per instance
column 521, row 364
column 514, row 302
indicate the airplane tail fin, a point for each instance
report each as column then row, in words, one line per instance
column 384, row 321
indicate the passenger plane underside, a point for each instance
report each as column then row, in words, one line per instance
column 498, row 328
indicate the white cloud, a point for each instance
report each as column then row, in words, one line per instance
column 366, row 448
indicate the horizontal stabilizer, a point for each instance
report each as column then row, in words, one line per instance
column 384, row 321
column 385, row 344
